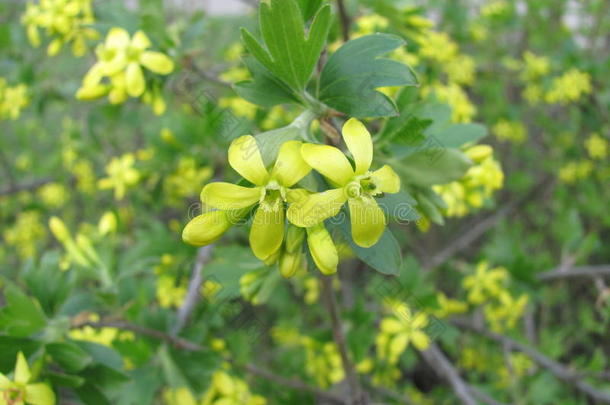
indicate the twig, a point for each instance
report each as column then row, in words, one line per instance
column 184, row 344
column 345, row 20
column 557, row 369
column 443, row 367
column 479, row 229
column 294, row 383
column 576, row 272
column 192, row 296
column 190, row 64
column 175, row 341
column 33, row 185
column 339, row 337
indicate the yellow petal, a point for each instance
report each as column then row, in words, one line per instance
column 267, row 231
column 245, row 158
column 92, row 92
column 387, row 180
column 227, row 196
column 206, row 228
column 157, row 62
column 5, row 383
column 117, row 38
column 39, row 394
column 140, row 41
column 290, row 167
column 391, row 326
column 134, row 80
column 33, row 36
column 420, row 340
column 22, row 370
column 359, row 143
column 368, row 221
column 290, row 263
column 329, row 161
column 316, row 208
column 322, row 249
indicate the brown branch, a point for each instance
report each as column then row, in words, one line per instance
column 443, row 367
column 204, row 254
column 350, row 371
column 175, row 341
column 294, row 383
column 33, row 185
column 575, row 272
column 557, row 369
column 184, row 344
column 345, row 20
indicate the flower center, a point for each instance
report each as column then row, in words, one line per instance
column 272, row 196
column 14, row 395
column 364, row 184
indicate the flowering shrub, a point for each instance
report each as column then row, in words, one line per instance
column 307, row 210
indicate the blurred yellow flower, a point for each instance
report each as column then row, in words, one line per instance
column 54, row 195
column 513, row 131
column 121, row 175
column 21, row 389
column 12, row 100
column 399, row 330
column 597, row 147
column 484, row 283
column 25, row 233
column 170, row 292
column 569, row 87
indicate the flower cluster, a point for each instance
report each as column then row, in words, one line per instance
column 477, row 185
column 512, row 131
column 569, row 87
column 121, row 175
column 25, row 234
column 118, row 71
column 271, row 191
column 398, row 331
column 12, row 100
column 63, row 21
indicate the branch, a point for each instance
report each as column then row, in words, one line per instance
column 184, row 344
column 294, row 383
column 557, row 369
column 475, row 232
column 204, row 254
column 345, row 20
column 443, row 367
column 339, row 337
column 33, row 185
column 174, row 341
column 575, row 272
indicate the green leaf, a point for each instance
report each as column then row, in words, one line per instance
column 10, row 346
column 22, row 316
column 352, row 74
column 264, row 89
column 309, row 8
column 385, row 256
column 399, row 206
column 434, row 165
column 430, row 209
column 286, row 52
column 269, row 142
column 456, row 135
column 65, row 379
column 69, row 356
column 91, row 395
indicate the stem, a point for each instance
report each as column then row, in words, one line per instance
column 357, row 396
column 345, row 20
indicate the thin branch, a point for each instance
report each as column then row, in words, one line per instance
column 33, row 185
column 184, row 344
column 475, row 232
column 204, row 254
column 294, row 383
column 557, row 369
column 345, row 20
column 174, row 341
column 443, row 367
column 190, row 64
column 350, row 371
column 575, row 272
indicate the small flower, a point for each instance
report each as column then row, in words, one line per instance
column 357, row 186
column 400, row 330
column 597, row 147
column 22, row 390
column 484, row 283
column 121, row 175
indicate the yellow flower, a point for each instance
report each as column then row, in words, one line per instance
column 437, row 46
column 227, row 390
column 121, row 59
column 53, row 195
column 569, row 87
column 369, row 24
column 534, row 66
column 461, row 107
column 323, row 361
column 505, row 313
column 484, row 283
column 461, row 70
column 449, row 306
column 186, row 180
column 510, row 130
column 597, row 147
column 400, row 330
column 25, row 233
column 102, row 336
column 169, row 293
column 356, row 186
column 239, row 106
column 12, row 100
column 22, row 390
column 107, row 224
column 121, row 175
column 269, row 193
